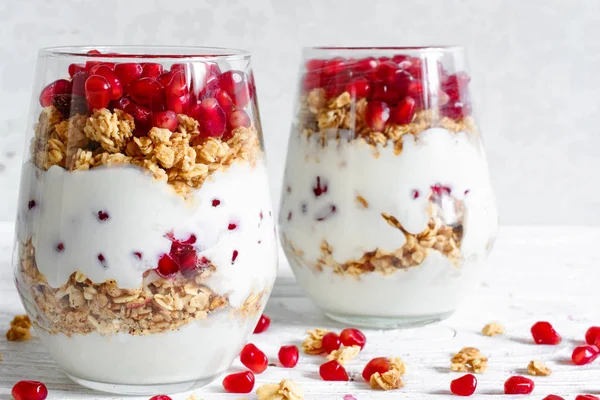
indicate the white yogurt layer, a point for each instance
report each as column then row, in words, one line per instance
column 141, row 211
column 388, row 183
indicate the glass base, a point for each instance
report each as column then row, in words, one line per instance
column 387, row 322
column 146, row 389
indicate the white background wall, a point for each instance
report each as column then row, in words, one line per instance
column 536, row 68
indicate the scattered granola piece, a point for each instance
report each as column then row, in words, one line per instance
column 285, row 390
column 397, row 364
column 192, row 397
column 313, row 344
column 344, row 354
column 361, row 200
column 538, row 368
column 387, row 381
column 469, row 359
column 492, row 329
column 19, row 329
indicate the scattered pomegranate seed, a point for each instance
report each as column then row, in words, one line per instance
column 234, row 256
column 262, row 324
column 128, row 72
column 61, row 86
column 29, row 390
column 464, row 386
column 216, row 202
column 239, row 118
column 242, row 382
column 377, row 114
column 584, row 354
column 586, row 397
column 75, row 68
column 319, row 190
column 167, row 267
column 352, row 336
column 404, row 112
column 161, row 397
column 544, row 333
column 31, row 204
column 165, row 119
column 331, row 341
column 102, row 216
column 359, row 87
column 60, row 247
column 78, row 83
column 592, row 335
column 97, row 91
column 231, row 226
column 253, row 358
column 518, row 385
column 146, row 91
column 378, row 364
column 553, row 397
column 333, row 371
column 288, row 356
column 137, row 254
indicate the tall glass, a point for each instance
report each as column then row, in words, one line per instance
column 387, row 209
column 145, row 247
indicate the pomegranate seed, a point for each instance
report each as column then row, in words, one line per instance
column 413, row 66
column 234, row 256
column 179, row 104
column 178, row 85
column 544, row 333
column 331, row 341
column 128, row 72
column 167, row 267
column 188, row 261
column 29, row 390
column 97, row 91
column 404, row 112
column 415, row 194
column 30, row 204
column 314, row 65
column 553, row 397
column 518, row 385
column 141, row 115
column 584, row 354
column 231, row 226
column 75, row 68
column 334, row 66
column 456, row 110
column 235, row 83
column 333, row 371
column 289, row 217
column 398, row 58
column 367, row 67
column 78, row 83
column 165, row 120
column 253, row 358
column 464, row 386
column 378, row 364
column 376, row 115
column 146, row 91
column 359, row 87
column 216, row 202
column 415, row 90
column 586, row 397
column 319, row 190
column 102, row 216
column 165, row 78
column 311, row 80
column 262, row 324
column 386, row 71
column 60, row 247
column 137, row 254
column 161, row 397
column 101, row 258
column 456, row 84
column 61, row 86
column 151, row 70
column 211, row 117
column 592, row 335
column 242, row 382
column 352, row 336
column 288, row 356
column 224, row 101
column 239, row 118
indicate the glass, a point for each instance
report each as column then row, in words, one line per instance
column 387, row 209
column 145, row 248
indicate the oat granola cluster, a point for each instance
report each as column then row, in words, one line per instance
column 469, row 359
column 184, row 158
column 284, row 390
column 19, row 329
column 158, row 305
column 391, row 379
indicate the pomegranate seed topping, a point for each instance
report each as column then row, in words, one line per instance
column 386, row 93
column 386, row 71
column 398, row 58
column 178, row 104
column 263, row 324
column 178, row 85
column 415, row 90
column 314, row 65
column 78, row 83
column 137, row 254
column 518, row 385
column 553, row 397
column 128, row 72
column 60, row 247
column 235, row 83
column 97, row 91
column 224, row 101
column 188, row 261
column 239, row 118
column 165, row 78
column 141, row 115
column 331, row 341
column 439, row 190
column 413, row 66
column 165, row 120
column 333, row 371
column 288, row 356
column 464, row 386
column 544, row 333
column 146, row 91
column 31, row 204
column 167, row 267
column 253, row 358
column 29, row 390
column 234, row 256
column 376, row 115
column 61, row 86
column 161, row 397
column 319, row 190
column 311, row 81
column 584, row 354
column 75, row 68
column 415, row 194
column 231, row 226
column 325, row 214
column 367, row 67
column 404, row 112
column 116, row 89
column 242, row 382
column 151, row 70
column 378, row 364
column 456, row 84
column 359, row 87
column 456, row 110
column 352, row 336
column 586, row 397
column 592, row 335
column 216, row 202
column 211, row 117
column 102, row 216
column 334, row 66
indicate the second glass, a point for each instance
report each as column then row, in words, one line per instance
column 387, row 208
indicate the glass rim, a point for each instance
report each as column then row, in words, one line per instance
column 447, row 48
column 145, row 52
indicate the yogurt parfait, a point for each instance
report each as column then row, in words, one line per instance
column 387, row 209
column 145, row 246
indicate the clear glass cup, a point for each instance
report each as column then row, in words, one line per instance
column 387, row 210
column 145, row 247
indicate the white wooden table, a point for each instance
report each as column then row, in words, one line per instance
column 534, row 273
